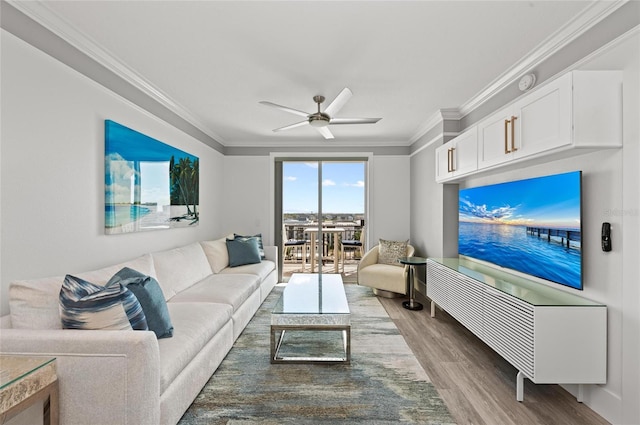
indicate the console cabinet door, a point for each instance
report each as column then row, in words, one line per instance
column 438, row 279
column 468, row 306
column 509, row 329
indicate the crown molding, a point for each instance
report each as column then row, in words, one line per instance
column 41, row 13
column 588, row 18
column 437, row 118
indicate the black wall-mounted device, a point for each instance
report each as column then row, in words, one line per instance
column 606, row 237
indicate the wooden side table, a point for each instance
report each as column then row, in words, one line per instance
column 25, row 381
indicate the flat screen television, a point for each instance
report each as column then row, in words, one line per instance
column 532, row 226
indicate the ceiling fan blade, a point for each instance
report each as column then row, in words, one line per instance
column 325, row 132
column 285, row 108
column 289, row 127
column 354, row 120
column 338, row 102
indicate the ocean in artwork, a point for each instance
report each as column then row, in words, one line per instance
column 511, row 246
column 124, row 214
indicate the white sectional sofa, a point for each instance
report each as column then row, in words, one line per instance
column 131, row 377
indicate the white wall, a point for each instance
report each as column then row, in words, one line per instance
column 389, row 199
column 248, row 195
column 52, row 171
column 610, row 193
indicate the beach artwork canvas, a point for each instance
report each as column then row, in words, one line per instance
column 532, row 226
column 149, row 185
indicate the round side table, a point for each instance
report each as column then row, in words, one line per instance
column 412, row 262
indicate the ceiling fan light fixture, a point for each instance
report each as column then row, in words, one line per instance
column 319, row 120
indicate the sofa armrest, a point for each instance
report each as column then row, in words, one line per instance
column 271, row 253
column 104, row 376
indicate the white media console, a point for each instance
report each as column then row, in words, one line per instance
column 550, row 336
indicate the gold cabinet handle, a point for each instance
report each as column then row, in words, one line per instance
column 452, row 167
column 448, row 160
column 506, row 136
column 513, row 133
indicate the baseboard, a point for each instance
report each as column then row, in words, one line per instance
column 601, row 400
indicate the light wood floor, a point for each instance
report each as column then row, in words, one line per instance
column 477, row 384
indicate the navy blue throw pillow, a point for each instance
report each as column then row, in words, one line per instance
column 148, row 292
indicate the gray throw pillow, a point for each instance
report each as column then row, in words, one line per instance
column 390, row 251
column 148, row 292
column 243, row 251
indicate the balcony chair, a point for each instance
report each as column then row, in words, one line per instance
column 289, row 245
column 387, row 280
column 352, row 245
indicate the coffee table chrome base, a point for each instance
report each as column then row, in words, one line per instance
column 276, row 343
column 412, row 305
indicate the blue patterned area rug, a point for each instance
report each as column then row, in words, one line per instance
column 384, row 384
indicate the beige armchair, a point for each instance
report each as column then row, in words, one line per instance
column 387, row 280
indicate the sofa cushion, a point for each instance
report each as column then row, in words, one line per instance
column 179, row 268
column 243, row 251
column 84, row 305
column 231, row 289
column 148, row 292
column 261, row 269
column 35, row 304
column 390, row 251
column 144, row 264
column 194, row 326
column 217, row 254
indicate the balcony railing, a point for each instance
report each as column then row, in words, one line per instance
column 326, row 251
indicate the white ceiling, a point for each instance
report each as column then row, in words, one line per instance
column 213, row 61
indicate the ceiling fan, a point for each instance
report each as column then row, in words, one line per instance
column 320, row 120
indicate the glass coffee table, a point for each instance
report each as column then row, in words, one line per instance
column 26, row 381
column 311, row 303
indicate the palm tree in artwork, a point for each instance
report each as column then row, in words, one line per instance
column 185, row 188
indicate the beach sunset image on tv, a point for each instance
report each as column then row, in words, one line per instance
column 531, row 226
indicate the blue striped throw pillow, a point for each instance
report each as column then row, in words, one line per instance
column 84, row 305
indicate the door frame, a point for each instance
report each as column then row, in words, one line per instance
column 275, row 210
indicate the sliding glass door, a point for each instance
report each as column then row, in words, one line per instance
column 322, row 202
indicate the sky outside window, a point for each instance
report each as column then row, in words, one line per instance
column 342, row 187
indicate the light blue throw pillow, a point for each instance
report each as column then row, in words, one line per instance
column 243, row 251
column 147, row 291
column 84, row 305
